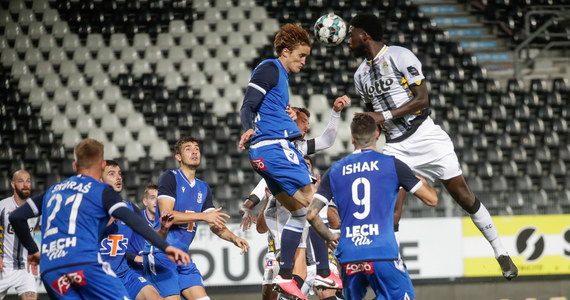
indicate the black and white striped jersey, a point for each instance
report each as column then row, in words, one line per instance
column 14, row 254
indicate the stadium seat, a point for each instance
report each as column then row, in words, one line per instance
column 67, row 68
column 95, row 42
column 75, row 83
column 87, row 95
column 134, row 151
column 160, row 150
column 121, row 136
column 93, row 132
column 49, row 110
column 135, row 122
column 112, row 151
column 147, row 135
column 70, row 138
column 59, row 124
column 110, row 123
column 105, row 56
column 74, row 110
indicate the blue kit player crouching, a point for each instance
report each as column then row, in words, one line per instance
column 364, row 186
column 74, row 215
column 189, row 200
column 117, row 239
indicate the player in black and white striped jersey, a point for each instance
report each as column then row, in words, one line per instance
column 391, row 84
column 13, row 256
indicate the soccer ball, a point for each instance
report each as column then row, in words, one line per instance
column 330, row 30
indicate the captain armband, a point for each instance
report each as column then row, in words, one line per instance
column 253, row 198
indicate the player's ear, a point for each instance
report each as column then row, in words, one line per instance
column 178, row 157
column 74, row 166
column 352, row 140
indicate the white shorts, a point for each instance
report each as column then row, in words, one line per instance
column 270, row 268
column 429, row 152
column 20, row 280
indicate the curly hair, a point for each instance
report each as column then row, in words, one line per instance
column 369, row 23
column 291, row 36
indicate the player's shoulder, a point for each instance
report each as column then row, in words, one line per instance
column 363, row 67
column 5, row 202
column 397, row 50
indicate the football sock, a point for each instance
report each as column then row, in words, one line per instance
column 290, row 239
column 482, row 219
column 298, row 280
column 321, row 253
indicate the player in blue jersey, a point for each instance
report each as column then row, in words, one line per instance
column 116, row 239
column 190, row 200
column 74, row 215
column 270, row 131
column 136, row 244
column 364, row 186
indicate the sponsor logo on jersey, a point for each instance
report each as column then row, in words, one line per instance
column 57, row 249
column 359, row 233
column 413, row 70
column 114, row 244
column 64, row 282
column 365, row 267
column 358, row 167
column 258, row 164
column 379, row 86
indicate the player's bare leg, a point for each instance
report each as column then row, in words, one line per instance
column 194, row 293
column 459, row 190
column 267, row 292
column 29, row 296
column 148, row 292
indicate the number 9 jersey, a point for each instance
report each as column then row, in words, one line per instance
column 74, row 215
column 364, row 186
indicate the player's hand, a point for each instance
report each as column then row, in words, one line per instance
column 176, row 255
column 33, row 262
column 1, row 264
column 333, row 243
column 378, row 117
column 166, row 220
column 241, row 243
column 138, row 259
column 247, row 218
column 291, row 112
column 216, row 218
column 340, row 103
column 245, row 137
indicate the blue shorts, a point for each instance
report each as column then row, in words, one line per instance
column 133, row 282
column 281, row 165
column 389, row 279
column 88, row 281
column 168, row 277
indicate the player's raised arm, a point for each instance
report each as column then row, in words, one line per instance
column 416, row 185
column 246, row 209
column 19, row 220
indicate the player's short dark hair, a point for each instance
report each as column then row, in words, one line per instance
column 150, row 186
column 112, row 163
column 310, row 159
column 363, row 129
column 87, row 153
column 182, row 141
column 369, row 23
column 291, row 36
column 303, row 110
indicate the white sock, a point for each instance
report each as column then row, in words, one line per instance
column 482, row 219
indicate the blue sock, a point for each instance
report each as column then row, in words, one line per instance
column 290, row 239
column 321, row 253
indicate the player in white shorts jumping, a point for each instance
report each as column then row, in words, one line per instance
column 13, row 256
column 391, row 85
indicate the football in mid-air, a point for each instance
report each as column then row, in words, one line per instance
column 330, row 30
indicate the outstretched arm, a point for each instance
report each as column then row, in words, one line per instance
column 226, row 234
column 246, row 209
column 317, row 222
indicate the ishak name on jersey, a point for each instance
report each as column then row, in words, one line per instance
column 360, row 167
column 56, row 249
column 359, row 233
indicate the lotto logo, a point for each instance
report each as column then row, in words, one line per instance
column 64, row 282
column 365, row 267
column 258, row 164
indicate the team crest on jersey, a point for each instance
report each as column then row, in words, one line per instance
column 385, row 68
column 62, row 284
column 183, row 189
column 199, row 200
column 114, row 244
column 258, row 164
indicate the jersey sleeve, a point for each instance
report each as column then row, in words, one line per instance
column 406, row 177
column 264, row 78
column 167, row 186
column 324, row 192
column 112, row 200
column 209, row 203
column 410, row 66
column 36, row 204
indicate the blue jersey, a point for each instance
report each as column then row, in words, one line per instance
column 188, row 197
column 115, row 242
column 137, row 242
column 271, row 120
column 74, row 215
column 364, row 186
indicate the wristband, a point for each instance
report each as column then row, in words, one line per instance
column 387, row 115
column 253, row 198
column 335, row 230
